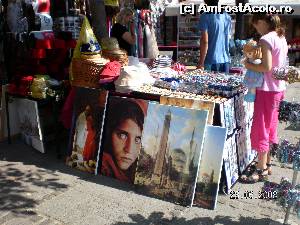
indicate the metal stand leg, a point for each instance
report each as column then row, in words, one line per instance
column 7, row 117
column 288, row 211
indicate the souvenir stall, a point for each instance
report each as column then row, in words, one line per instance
column 157, row 102
column 188, row 130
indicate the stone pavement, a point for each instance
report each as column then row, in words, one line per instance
column 38, row 189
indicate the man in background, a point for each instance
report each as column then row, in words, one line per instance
column 214, row 42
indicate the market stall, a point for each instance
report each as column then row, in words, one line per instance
column 187, row 130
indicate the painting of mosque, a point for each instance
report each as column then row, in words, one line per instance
column 209, row 173
column 172, row 143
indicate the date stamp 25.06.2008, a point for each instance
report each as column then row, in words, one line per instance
column 253, row 195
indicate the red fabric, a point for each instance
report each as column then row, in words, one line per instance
column 38, row 53
column 111, row 170
column 20, row 86
column 110, row 72
column 59, row 43
column 71, row 43
column 265, row 119
column 66, row 114
column 89, row 149
column 43, row 44
column 43, row 6
column 41, row 69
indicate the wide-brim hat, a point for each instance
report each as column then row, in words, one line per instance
column 109, row 43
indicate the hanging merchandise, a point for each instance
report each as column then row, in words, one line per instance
column 16, row 22
column 114, row 3
column 44, row 21
column 40, row 6
column 142, row 4
column 152, row 48
column 157, row 8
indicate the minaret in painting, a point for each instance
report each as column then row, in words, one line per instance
column 190, row 154
column 161, row 154
column 156, row 140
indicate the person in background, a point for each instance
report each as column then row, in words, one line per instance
column 125, row 37
column 268, row 97
column 122, row 140
column 214, row 42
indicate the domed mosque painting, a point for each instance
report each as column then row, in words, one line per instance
column 172, row 143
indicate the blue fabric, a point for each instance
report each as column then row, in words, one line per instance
column 218, row 67
column 253, row 79
column 218, row 27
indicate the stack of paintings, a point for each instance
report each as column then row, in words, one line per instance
column 168, row 152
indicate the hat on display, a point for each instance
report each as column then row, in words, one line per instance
column 87, row 43
column 109, row 43
column 110, row 72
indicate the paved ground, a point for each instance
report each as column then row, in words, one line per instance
column 39, row 189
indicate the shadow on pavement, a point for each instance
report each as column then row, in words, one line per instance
column 20, row 186
column 157, row 218
column 17, row 183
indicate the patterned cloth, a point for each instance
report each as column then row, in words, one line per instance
column 253, row 79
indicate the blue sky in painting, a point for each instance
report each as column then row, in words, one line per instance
column 212, row 154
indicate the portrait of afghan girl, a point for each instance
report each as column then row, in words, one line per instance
column 122, row 139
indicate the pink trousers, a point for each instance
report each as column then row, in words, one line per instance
column 265, row 120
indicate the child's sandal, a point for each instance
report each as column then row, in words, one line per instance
column 257, row 176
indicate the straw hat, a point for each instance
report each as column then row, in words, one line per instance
column 109, row 43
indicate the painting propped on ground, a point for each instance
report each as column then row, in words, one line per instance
column 209, row 174
column 172, row 145
column 88, row 114
column 30, row 123
column 122, row 138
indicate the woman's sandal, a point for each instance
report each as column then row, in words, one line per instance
column 257, row 176
column 269, row 167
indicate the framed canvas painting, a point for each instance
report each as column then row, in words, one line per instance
column 210, row 168
column 172, row 144
column 29, row 123
column 122, row 138
column 88, row 114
